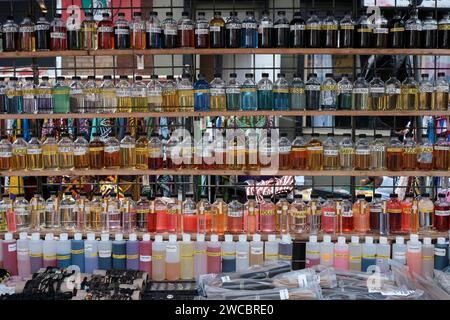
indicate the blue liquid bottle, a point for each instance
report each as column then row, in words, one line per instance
column 281, row 93
column 265, row 93
column 249, row 98
column 90, row 253
column 14, row 96
column 104, row 252
column 201, row 94
column 77, row 251
column 119, row 252
column 249, row 33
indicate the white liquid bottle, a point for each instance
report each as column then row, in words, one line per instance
column 354, row 254
column 383, row 254
column 200, row 259
column 271, row 248
column 173, row 267
column 23, row 255
column 312, row 252
column 158, row 259
column 327, row 251
column 399, row 250
column 242, row 253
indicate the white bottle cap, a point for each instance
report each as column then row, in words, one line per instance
column 200, row 237
column 341, row 240
column 118, row 237
column 271, row 237
column 90, row 236
column 35, row 236
column 327, row 238
column 132, row 237
column 214, row 238
column 414, row 237
column 399, row 240
column 78, row 236
column 285, row 238
column 427, row 241
column 8, row 236
column 49, row 236
column 369, row 240
column 228, row 238
column 104, row 237
column 158, row 238
column 186, row 237
column 440, row 240
column 313, row 239
column 242, row 238
column 355, row 239
column 146, row 237
column 383, row 240
column 256, row 237
column 24, row 236
column 172, row 238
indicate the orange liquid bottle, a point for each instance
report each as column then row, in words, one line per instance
column 219, row 213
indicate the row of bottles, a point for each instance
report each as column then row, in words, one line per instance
column 225, row 33
column 163, row 260
column 421, row 258
column 334, row 215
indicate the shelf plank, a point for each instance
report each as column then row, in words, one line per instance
column 188, row 172
column 289, row 113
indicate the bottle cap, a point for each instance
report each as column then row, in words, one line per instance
column 137, row 13
column 327, row 238
column 200, row 237
column 440, row 240
column 256, row 237
column 271, row 237
column 158, row 238
column 214, row 238
column 228, row 238
column 186, row 237
column 35, row 236
column 286, row 238
column 185, row 14
column 78, row 236
column 383, row 240
column 63, row 237
column 414, row 237
column 90, row 236
column 104, row 237
column 399, row 240
column 249, row 75
column 313, row 238
column 49, row 236
column 118, row 237
column 132, row 237
column 172, row 238
column 146, row 237
column 281, row 75
column 369, row 240
column 8, row 236
column 355, row 239
column 217, row 75
column 341, row 240
column 427, row 241
column 242, row 238
column 24, row 235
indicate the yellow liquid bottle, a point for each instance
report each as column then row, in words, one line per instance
column 218, row 101
column 123, row 95
column 186, row 258
column 34, row 154
column 128, row 152
column 185, row 94
column 139, row 95
column 65, row 152
column 410, row 94
column 142, row 152
column 170, row 96
column 50, row 153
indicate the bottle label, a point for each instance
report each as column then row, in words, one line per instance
column 346, row 151
column 440, row 252
column 397, row 29
column 312, row 252
column 236, row 26
column 314, row 26
column 280, row 90
column 312, row 87
column 267, row 212
column 347, row 27
column 414, row 248
column 241, row 255
column 330, row 152
column 120, row 31
column 111, row 149
column 426, row 89
column 377, row 90
column 9, row 29
column 171, row 248
column 444, row 27
column 409, row 150
column 145, row 258
column 248, row 89
column 256, row 250
column 297, row 90
column 77, row 151
column 381, row 30
column 26, row 29
column 5, row 154
column 360, row 90
column 41, row 27
column 58, row 35
column 34, row 151
column 428, row 26
column 329, row 213
column 442, row 213
column 68, row 207
column 233, row 90
column 362, row 152
column 394, row 149
column 393, row 211
column 413, row 27
column 329, row 27
column 392, row 90
column 249, row 25
column 214, row 28
column 154, row 30
column 217, row 91
column 77, row 251
column 12, row 247
column 104, row 253
column 298, row 214
column 315, row 148
column 369, row 256
column 65, row 149
column 361, row 30
column 281, row 26
column 127, row 146
column 441, row 148
column 186, row 27
column 426, row 149
column 213, row 254
column 228, row 254
column 197, row 252
column 347, row 213
column 441, row 89
column 409, row 91
column 399, row 255
column 201, row 31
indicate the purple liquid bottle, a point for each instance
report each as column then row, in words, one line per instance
column 132, row 252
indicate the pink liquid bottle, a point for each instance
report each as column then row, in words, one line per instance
column 214, row 255
column 200, row 257
column 49, row 251
column 23, row 256
column 145, row 254
column 341, row 254
column 329, row 216
column 35, row 252
column 414, row 254
column 312, row 252
column 161, row 214
column 267, row 215
column 9, row 248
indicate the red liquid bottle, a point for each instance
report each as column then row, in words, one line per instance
column 376, row 210
column 441, row 213
column 201, row 31
column 151, row 221
column 58, row 34
column 105, row 32
column 394, row 212
column 189, row 215
column 346, row 214
column 161, row 214
column 329, row 216
column 155, row 154
column 185, row 31
column 406, row 212
column 172, row 214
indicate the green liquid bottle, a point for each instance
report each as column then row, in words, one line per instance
column 61, row 96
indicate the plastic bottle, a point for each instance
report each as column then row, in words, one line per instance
column 256, row 250
column 49, row 251
column 200, row 257
column 63, row 248
column 355, row 254
column 201, row 94
column 427, row 258
column 312, row 251
column 399, row 250
column 90, row 253
column 271, row 248
column 213, row 252
column 158, row 259
column 383, row 254
column 145, row 254
column 440, row 254
column 186, row 258
column 104, row 252
column 369, row 251
column 119, row 252
column 326, row 251
column 132, row 248
column 285, row 248
column 35, row 252
column 228, row 254
column 9, row 249
column 414, row 254
column 172, row 259
column 77, row 251
column 242, row 253
column 23, row 256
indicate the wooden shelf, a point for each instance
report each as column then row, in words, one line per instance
column 289, row 113
column 187, row 172
column 226, row 51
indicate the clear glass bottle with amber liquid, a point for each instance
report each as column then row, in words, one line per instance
column 6, row 154
column 377, row 94
column 142, row 152
column 409, row 153
column 128, row 151
column 251, row 151
column 440, row 93
column 314, row 151
column 393, row 93
column 299, row 152
column 65, row 152
column 284, row 151
column 347, row 152
column 81, row 152
column 362, row 153
column 112, row 152
column 50, row 152
column 394, row 153
column 425, row 93
column 440, row 153
column 217, row 31
column 410, row 94
column 378, row 157
column 96, row 152
column 330, row 153
column 425, row 154
column 34, row 154
column 19, row 153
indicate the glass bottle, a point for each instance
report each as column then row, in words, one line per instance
column 173, row 153
column 314, row 214
column 413, row 30
column 251, row 215
column 236, row 150
column 169, row 29
column 10, row 31
column 65, row 152
column 68, row 212
column 329, row 216
column 282, row 215
column 377, row 94
column 344, row 91
column 281, row 30
column 380, row 32
column 297, row 31
column 138, row 35
column 201, row 94
column 233, row 27
column 34, row 154
column 299, row 153
column 219, row 215
column 378, row 153
column 429, row 32
column 441, row 213
column 111, row 208
column 3, row 99
column 297, row 215
column 407, row 215
column 107, row 95
column 173, row 210
column 330, row 31
column 50, row 152
column 201, row 31
column 22, row 213
column 346, row 31
column 281, row 93
column 361, row 214
column 27, row 40
column 204, row 215
column 345, row 214
column 185, row 94
column 61, row 96
column 361, row 96
column 169, row 95
column 394, row 154
column 297, row 93
column 393, row 94
column 44, row 97
column 265, row 31
column 189, row 215
column 440, row 153
column 128, row 213
column 233, row 93
column 105, row 32
column 409, row 153
column 217, row 31
column 29, row 101
column 426, row 211
column 313, row 31
column 235, row 216
column 425, row 154
column 142, row 152
column 37, row 207
column 410, row 94
column 396, row 31
column 81, row 154
column 265, row 93
column 267, row 215
column 153, row 31
column 363, row 31
column 112, row 152
column 19, row 153
column 347, row 152
column 123, row 95
column 74, row 41
column 284, row 152
column 14, row 98
column 249, row 96
column 444, row 31
column 142, row 212
column 42, row 34
column 362, row 153
column 328, row 93
column 121, row 32
column 89, row 37
column 96, row 152
column 217, row 93
column 155, row 156
column 154, row 93
column 314, row 152
column 186, row 31
column 425, row 93
column 128, row 151
column 249, row 33
column 394, row 213
column 440, row 93
column 312, row 92
column 91, row 96
column 6, row 153
column 77, row 95
column 330, row 153
column 139, row 95
column 58, row 34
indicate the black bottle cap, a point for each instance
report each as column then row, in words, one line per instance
column 233, row 14
column 105, row 15
column 169, row 77
column 360, row 196
column 217, row 13
column 249, row 75
column 13, row 78
column 150, row 197
column 185, row 14
column 378, row 136
column 138, row 78
column 314, row 196
column 251, row 197
column 76, row 78
column 186, row 76
column 233, row 75
column 29, row 78
column 10, row 18
column 393, row 195
column 410, row 194
column 217, row 75
column 344, row 75
column 377, row 195
column 281, row 75
column 425, row 195
column 91, row 77
column 296, row 75
column 265, row 75
column 249, row 13
column 283, row 135
column 137, row 14
column 45, row 78
column 424, row 75
column 267, row 196
column 442, row 195
column 201, row 14
column 315, row 134
column 328, row 75
column 154, row 13
column 297, row 14
column 362, row 135
column 107, row 77
column 312, row 75
column 282, row 12
column 200, row 76
column 58, row 15
column 154, row 77
column 169, row 14
column 123, row 77
column 121, row 14
column 60, row 78
column 298, row 196
column 330, row 134
column 441, row 74
column 368, row 199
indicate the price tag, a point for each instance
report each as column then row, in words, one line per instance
column 226, row 279
column 302, row 282
column 284, row 294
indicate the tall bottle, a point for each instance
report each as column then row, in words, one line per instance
column 249, row 98
column 256, row 250
column 123, row 95
column 201, row 94
column 44, row 97
column 9, row 251
column 444, row 32
column 396, row 31
column 354, row 254
column 312, row 92
column 313, row 31
column 242, row 253
column 233, row 93
column 213, row 253
column 377, row 94
column 346, row 31
column 23, row 256
column 139, row 95
column 329, row 216
column 413, row 30
column 121, row 32
column 35, row 252
column 440, row 254
column 429, row 32
column 185, row 93
column 77, row 251
column 145, row 254
column 399, row 250
column 267, row 215
column 50, row 152
column 440, row 94
column 315, row 153
column 200, row 256
column 341, row 255
column 330, row 31
column 228, row 254
column 119, row 252
column 312, row 252
column 132, row 249
column 186, row 258
column 74, row 40
column 327, row 252
column 364, row 31
column 251, row 215
column 368, row 251
column 249, row 33
column 271, row 248
column 265, row 31
column 104, row 252
column 10, row 31
column 328, row 93
column 185, row 31
column 441, row 213
column 58, row 34
column 297, row 93
column 414, row 254
column 383, row 254
column 49, row 251
column 217, row 93
column 61, row 96
column 77, row 96
column 14, row 98
column 105, row 32
column 330, row 153
column 394, row 153
column 138, row 35
column 28, row 98
column 281, row 31
column 235, row 216
column 89, row 37
column 361, row 214
column 410, row 94
column 393, row 94
column 426, row 211
column 441, row 153
column 90, row 253
column 281, row 93
column 27, row 40
column 233, row 28
column 217, row 31
column 201, row 31
column 380, row 32
column 425, row 93
column 34, row 154
column 42, row 34
column 427, row 258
